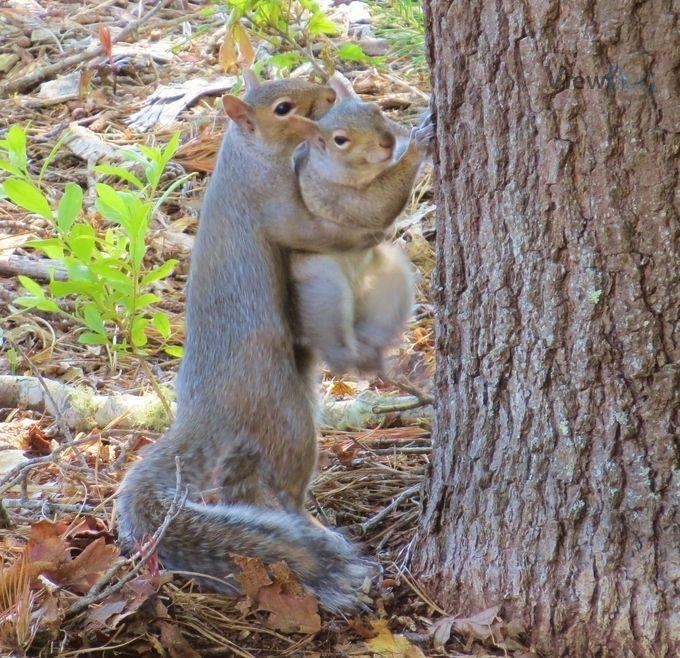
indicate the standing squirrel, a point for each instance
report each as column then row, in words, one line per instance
column 352, row 305
column 245, row 424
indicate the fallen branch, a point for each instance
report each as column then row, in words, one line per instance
column 82, row 409
column 40, row 270
column 22, row 83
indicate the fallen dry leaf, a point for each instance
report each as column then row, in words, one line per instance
column 346, row 452
column 87, row 530
column 476, row 627
column 290, row 613
column 387, row 645
column 46, row 543
column 48, row 553
column 276, row 590
column 38, row 444
column 340, row 388
column 82, row 572
column 253, row 575
column 171, row 638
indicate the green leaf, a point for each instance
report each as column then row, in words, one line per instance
column 125, row 288
column 93, row 319
column 138, row 331
column 145, row 300
column 16, row 146
column 160, row 272
column 69, row 208
column 7, row 166
column 154, row 171
column 109, row 270
column 52, row 248
column 352, row 52
column 120, row 172
column 111, row 203
column 161, row 322
column 27, row 301
column 170, row 149
column 319, row 23
column 138, row 249
column 32, row 286
column 285, row 60
column 90, row 338
column 81, row 241
column 46, row 305
column 174, row 350
column 77, row 271
column 88, row 289
column 28, row 196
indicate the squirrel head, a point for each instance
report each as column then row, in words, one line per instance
column 262, row 115
column 351, row 144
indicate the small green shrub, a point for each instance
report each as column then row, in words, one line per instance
column 108, row 283
column 291, row 27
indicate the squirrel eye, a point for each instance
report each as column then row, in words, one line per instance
column 283, row 108
column 341, row 140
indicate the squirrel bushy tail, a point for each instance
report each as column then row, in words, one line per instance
column 202, row 539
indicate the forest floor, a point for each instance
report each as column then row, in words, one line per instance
column 64, row 588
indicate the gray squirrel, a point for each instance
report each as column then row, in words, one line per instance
column 356, row 166
column 245, row 427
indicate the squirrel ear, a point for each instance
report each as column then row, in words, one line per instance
column 306, row 128
column 342, row 86
column 239, row 112
column 250, row 79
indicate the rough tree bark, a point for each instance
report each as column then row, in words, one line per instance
column 554, row 486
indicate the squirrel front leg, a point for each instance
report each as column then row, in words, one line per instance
column 294, row 227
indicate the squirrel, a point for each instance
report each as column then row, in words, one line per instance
column 245, row 426
column 352, row 305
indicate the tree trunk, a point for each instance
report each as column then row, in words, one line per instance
column 554, row 482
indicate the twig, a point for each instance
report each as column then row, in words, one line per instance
column 406, row 85
column 406, row 405
column 16, row 473
column 102, row 589
column 406, row 386
column 58, row 414
column 122, row 455
column 38, row 75
column 47, row 506
column 374, row 520
column 154, row 384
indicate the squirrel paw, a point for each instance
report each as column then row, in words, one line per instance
column 346, row 575
column 424, row 133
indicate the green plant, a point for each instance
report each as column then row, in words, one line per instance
column 108, row 283
column 292, row 27
column 401, row 22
